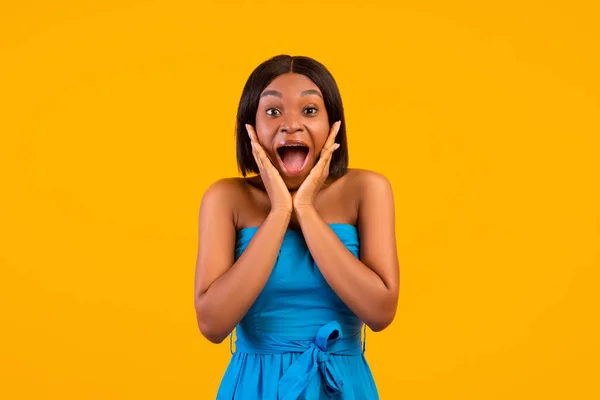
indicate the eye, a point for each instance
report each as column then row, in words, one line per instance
column 310, row 110
column 273, row 112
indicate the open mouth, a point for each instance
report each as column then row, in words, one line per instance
column 293, row 157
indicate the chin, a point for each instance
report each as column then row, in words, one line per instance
column 293, row 183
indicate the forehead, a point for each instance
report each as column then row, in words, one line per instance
column 292, row 84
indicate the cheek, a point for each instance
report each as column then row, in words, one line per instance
column 263, row 131
column 264, row 139
column 320, row 137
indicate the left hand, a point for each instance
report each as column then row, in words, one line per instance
column 306, row 193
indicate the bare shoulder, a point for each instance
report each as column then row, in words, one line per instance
column 224, row 195
column 366, row 181
column 225, row 188
column 240, row 199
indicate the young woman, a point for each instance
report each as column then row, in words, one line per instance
column 300, row 256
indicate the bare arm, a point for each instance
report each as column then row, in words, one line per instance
column 224, row 290
column 369, row 286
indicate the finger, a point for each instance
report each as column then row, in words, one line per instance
column 257, row 157
column 254, row 148
column 252, row 135
column 250, row 131
column 258, row 151
column 254, row 139
column 261, row 167
column 332, row 149
column 266, row 163
column 326, row 155
column 264, row 157
column 335, row 128
column 261, row 157
column 329, row 156
column 327, row 151
column 253, row 145
column 267, row 160
column 330, row 142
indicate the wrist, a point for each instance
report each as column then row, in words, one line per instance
column 281, row 211
column 304, row 209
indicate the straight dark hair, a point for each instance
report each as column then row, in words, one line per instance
column 260, row 78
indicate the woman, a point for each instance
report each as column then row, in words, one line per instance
column 300, row 256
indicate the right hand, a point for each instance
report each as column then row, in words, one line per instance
column 279, row 194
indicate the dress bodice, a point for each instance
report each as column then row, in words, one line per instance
column 296, row 300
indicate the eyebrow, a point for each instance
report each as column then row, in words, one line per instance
column 278, row 94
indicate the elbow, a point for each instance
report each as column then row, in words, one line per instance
column 210, row 331
column 383, row 316
column 208, row 325
column 213, row 336
column 380, row 324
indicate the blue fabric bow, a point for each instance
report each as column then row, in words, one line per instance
column 297, row 377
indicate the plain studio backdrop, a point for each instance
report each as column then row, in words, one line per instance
column 116, row 116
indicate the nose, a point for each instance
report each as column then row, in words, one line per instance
column 291, row 123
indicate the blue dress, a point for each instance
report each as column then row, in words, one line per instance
column 298, row 341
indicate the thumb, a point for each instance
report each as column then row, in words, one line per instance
column 328, row 156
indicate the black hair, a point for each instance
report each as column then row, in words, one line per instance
column 260, row 78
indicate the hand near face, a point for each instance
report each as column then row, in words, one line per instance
column 306, row 193
column 277, row 190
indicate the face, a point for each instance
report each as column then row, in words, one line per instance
column 292, row 125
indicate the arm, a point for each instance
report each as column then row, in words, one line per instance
column 369, row 286
column 224, row 290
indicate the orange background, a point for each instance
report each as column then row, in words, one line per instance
column 117, row 115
